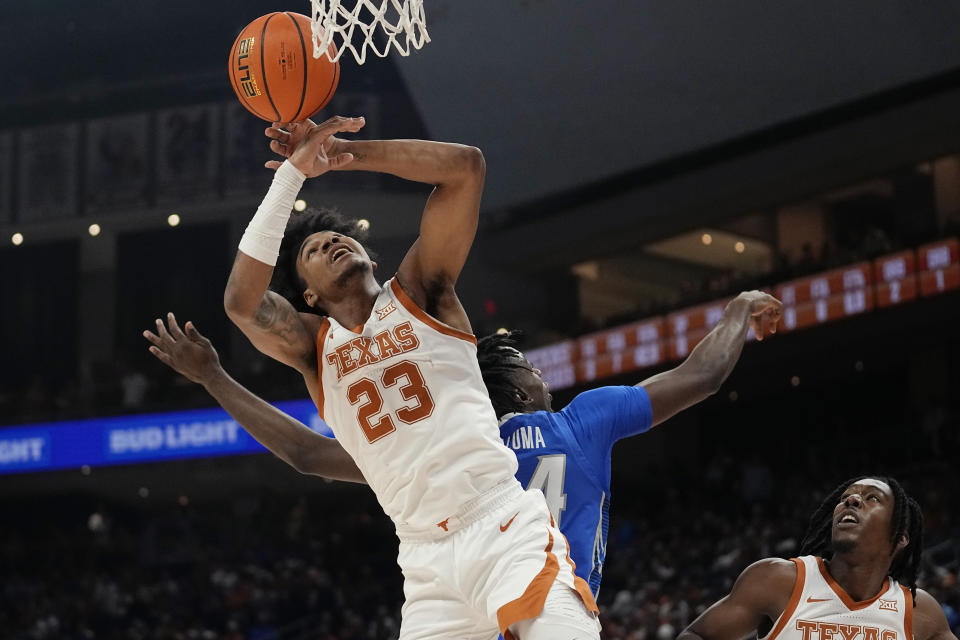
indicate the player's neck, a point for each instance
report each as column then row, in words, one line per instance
column 860, row 576
column 353, row 309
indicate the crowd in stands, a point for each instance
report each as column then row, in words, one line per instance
column 869, row 242
column 133, row 383
column 323, row 566
column 136, row 384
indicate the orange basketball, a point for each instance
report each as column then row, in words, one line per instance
column 274, row 73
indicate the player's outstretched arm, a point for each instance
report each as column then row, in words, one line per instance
column 268, row 320
column 759, row 596
column 929, row 621
column 448, row 225
column 449, row 222
column 192, row 355
column 712, row 360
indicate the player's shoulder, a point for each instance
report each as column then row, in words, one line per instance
column 771, row 568
column 929, row 620
column 605, row 396
column 773, row 575
column 313, row 322
column 512, row 421
column 768, row 587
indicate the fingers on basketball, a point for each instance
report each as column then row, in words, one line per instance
column 276, row 133
column 279, row 148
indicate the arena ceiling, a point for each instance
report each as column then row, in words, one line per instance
column 561, row 93
column 558, row 93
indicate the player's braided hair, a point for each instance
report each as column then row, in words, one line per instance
column 497, row 356
column 286, row 281
column 907, row 519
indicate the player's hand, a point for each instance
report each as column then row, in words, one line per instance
column 765, row 312
column 188, row 353
column 312, row 148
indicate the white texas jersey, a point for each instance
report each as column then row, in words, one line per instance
column 819, row 609
column 404, row 396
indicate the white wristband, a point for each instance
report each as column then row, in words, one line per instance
column 264, row 234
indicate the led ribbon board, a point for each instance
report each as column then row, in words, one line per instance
column 137, row 438
column 822, row 298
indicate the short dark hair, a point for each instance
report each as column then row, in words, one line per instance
column 286, row 281
column 907, row 519
column 497, row 355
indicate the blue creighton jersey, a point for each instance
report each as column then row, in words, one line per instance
column 567, row 456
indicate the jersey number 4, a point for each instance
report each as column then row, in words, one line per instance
column 549, row 477
column 375, row 428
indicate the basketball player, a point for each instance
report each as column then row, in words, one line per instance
column 565, row 454
column 855, row 579
column 393, row 371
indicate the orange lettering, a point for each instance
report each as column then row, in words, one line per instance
column 415, row 389
column 850, row 631
column 806, row 627
column 332, row 359
column 366, row 356
column 386, row 345
column 405, row 336
column 828, row 630
column 366, row 388
column 870, row 633
column 888, row 634
column 345, row 362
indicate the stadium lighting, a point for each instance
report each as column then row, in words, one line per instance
column 363, row 224
column 17, row 239
column 739, row 247
column 299, row 205
column 94, row 229
column 173, row 219
column 706, row 239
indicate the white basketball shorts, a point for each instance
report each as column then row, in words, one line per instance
column 492, row 572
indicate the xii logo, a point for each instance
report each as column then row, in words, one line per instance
column 385, row 311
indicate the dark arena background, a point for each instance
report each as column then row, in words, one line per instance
column 646, row 162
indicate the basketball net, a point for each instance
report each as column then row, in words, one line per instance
column 402, row 22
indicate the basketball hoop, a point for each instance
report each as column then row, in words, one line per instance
column 402, row 22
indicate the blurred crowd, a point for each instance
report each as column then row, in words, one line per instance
column 274, row 567
column 867, row 242
column 133, row 383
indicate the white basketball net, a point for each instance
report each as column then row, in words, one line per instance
column 401, row 22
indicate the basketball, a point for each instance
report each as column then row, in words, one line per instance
column 273, row 71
